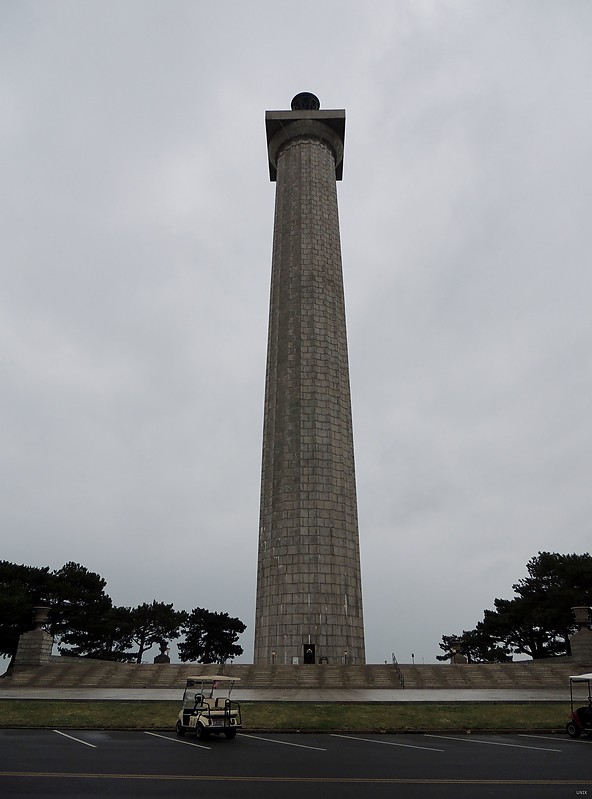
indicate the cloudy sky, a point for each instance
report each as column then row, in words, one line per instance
column 136, row 222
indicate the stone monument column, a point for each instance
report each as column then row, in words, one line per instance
column 581, row 642
column 34, row 647
column 309, row 596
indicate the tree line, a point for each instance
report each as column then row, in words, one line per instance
column 85, row 622
column 538, row 621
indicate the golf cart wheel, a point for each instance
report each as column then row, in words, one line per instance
column 230, row 734
column 180, row 730
column 572, row 729
column 201, row 732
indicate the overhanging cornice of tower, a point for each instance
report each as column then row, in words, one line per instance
column 281, row 126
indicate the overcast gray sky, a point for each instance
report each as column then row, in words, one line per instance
column 136, row 222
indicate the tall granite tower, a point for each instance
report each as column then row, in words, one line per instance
column 309, row 595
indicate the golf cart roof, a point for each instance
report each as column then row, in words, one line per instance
column 581, row 677
column 212, row 678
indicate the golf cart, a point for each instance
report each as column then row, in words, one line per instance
column 207, row 708
column 581, row 717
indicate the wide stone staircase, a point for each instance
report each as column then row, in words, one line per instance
column 69, row 673
column 81, row 673
column 544, row 674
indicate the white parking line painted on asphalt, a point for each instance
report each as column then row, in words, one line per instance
column 176, row 740
column 386, row 743
column 72, row 738
column 554, row 738
column 492, row 743
column 285, row 743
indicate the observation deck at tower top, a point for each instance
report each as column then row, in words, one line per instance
column 278, row 121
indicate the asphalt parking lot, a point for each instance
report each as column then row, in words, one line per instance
column 48, row 763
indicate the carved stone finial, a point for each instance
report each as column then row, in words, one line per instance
column 582, row 615
column 40, row 614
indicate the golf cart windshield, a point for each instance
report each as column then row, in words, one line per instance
column 211, row 687
column 578, row 684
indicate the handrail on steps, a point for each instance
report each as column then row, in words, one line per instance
column 399, row 672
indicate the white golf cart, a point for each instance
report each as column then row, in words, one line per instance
column 207, row 707
column 581, row 717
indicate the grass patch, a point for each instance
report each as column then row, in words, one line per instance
column 303, row 716
column 326, row 717
column 98, row 715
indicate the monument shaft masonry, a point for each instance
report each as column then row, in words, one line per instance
column 309, row 596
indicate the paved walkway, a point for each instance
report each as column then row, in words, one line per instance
column 299, row 695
